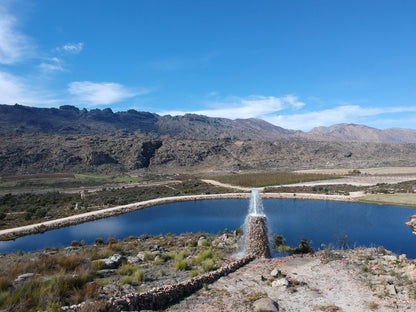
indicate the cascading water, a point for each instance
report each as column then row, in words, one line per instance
column 256, row 204
column 256, row 238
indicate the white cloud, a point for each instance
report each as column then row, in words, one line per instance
column 254, row 106
column 340, row 114
column 73, row 48
column 102, row 93
column 17, row 90
column 279, row 111
column 53, row 64
column 14, row 46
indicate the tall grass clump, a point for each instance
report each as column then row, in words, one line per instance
column 208, row 265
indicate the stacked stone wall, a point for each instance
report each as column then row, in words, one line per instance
column 161, row 297
column 257, row 241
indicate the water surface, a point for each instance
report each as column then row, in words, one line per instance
column 322, row 222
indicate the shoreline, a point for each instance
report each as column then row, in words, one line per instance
column 14, row 233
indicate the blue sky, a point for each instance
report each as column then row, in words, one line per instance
column 296, row 64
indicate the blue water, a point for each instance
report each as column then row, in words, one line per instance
column 322, row 222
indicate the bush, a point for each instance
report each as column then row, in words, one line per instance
column 126, row 280
column 4, row 283
column 204, row 254
column 181, row 264
column 304, row 247
column 148, row 256
column 208, row 265
column 139, row 275
column 127, row 269
column 98, row 241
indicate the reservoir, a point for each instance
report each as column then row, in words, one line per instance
column 323, row 223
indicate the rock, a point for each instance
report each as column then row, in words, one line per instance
column 140, row 255
column 275, row 273
column 23, row 277
column 280, row 282
column 133, row 260
column 201, row 240
column 156, row 247
column 113, row 262
column 106, row 272
column 265, row 305
column 391, row 290
column 391, row 258
column 410, row 272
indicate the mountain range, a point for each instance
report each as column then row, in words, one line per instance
column 46, row 140
column 71, row 120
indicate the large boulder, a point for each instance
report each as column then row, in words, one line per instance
column 265, row 305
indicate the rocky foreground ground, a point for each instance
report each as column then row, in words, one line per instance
column 331, row 280
column 362, row 279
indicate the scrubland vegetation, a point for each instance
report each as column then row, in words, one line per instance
column 30, row 208
column 78, row 273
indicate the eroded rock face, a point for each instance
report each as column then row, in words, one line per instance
column 257, row 242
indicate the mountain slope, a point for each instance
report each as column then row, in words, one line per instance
column 360, row 133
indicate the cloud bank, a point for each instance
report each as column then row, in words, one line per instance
column 101, row 93
column 254, row 106
column 14, row 45
column 287, row 112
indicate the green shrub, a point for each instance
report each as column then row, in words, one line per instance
column 139, row 275
column 97, row 265
column 98, row 241
column 208, row 265
column 194, row 273
column 202, row 255
column 127, row 269
column 3, row 298
column 181, row 265
column 4, row 283
column 126, row 280
column 74, row 243
column 158, row 261
column 148, row 256
column 205, row 243
column 304, row 247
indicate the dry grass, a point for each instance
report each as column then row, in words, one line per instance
column 329, row 308
column 398, row 199
column 272, row 178
column 371, row 171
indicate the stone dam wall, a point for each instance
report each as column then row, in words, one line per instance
column 257, row 240
column 161, row 297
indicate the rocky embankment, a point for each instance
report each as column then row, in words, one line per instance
column 412, row 223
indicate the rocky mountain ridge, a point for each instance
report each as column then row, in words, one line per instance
column 42, row 140
column 71, row 120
